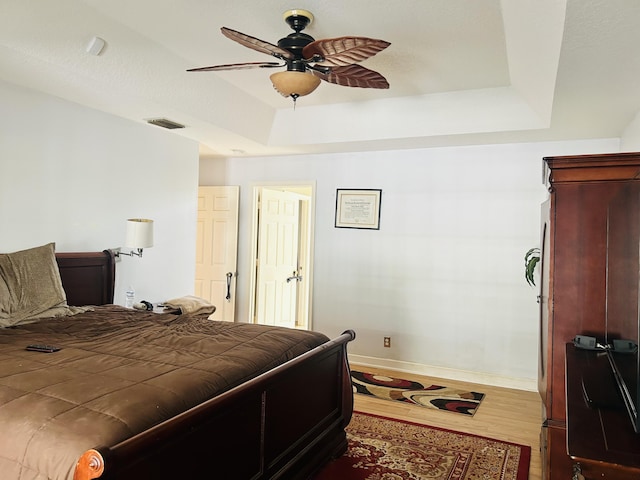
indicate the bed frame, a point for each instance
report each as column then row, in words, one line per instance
column 88, row 278
column 284, row 424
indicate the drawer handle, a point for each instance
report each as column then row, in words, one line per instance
column 577, row 472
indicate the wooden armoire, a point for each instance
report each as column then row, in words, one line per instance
column 573, row 277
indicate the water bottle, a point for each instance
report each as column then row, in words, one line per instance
column 130, row 295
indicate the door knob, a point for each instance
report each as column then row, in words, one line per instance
column 228, row 295
column 295, row 276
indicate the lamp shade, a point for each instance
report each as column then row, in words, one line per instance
column 139, row 233
column 295, row 84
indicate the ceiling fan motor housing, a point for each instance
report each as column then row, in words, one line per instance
column 294, row 43
column 298, row 20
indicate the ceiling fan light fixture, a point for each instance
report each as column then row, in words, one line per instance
column 294, row 84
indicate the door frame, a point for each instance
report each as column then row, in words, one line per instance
column 307, row 188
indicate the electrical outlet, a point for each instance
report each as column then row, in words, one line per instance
column 387, row 342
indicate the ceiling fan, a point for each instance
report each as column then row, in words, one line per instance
column 308, row 60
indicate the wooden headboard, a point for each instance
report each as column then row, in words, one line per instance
column 88, row 278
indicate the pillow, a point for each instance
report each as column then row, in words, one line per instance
column 30, row 286
column 4, row 295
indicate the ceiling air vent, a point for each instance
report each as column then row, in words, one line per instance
column 164, row 123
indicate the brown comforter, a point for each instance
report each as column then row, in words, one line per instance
column 118, row 373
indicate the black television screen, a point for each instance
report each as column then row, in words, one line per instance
column 622, row 312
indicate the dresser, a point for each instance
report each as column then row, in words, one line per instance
column 572, row 296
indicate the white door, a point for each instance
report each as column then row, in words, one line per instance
column 277, row 264
column 216, row 248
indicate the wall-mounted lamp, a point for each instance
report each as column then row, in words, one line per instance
column 139, row 236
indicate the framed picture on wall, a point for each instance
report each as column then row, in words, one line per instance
column 358, row 208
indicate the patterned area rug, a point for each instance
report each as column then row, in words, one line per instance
column 384, row 449
column 432, row 396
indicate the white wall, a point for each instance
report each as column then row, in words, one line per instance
column 444, row 275
column 630, row 140
column 73, row 175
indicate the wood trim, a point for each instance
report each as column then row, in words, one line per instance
column 90, row 466
column 590, row 168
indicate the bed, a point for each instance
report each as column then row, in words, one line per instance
column 193, row 398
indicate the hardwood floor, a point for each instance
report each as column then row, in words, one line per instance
column 504, row 414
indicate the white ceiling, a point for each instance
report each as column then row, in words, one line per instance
column 461, row 71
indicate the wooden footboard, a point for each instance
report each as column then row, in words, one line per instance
column 284, row 424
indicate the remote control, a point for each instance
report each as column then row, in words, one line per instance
column 42, row 348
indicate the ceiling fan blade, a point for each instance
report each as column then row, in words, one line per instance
column 257, row 44
column 353, row 76
column 237, row 66
column 344, row 50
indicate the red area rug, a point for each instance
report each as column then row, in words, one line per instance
column 385, row 449
column 408, row 391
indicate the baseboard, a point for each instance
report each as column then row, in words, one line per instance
column 528, row 384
